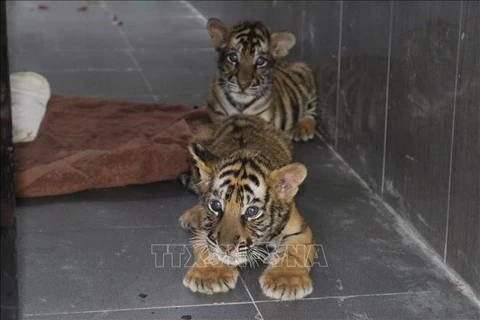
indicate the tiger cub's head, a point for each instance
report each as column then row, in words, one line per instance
column 247, row 53
column 246, row 202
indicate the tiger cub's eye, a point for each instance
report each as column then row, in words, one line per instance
column 215, row 206
column 261, row 62
column 251, row 212
column 233, row 57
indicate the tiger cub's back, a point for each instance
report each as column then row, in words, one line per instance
column 247, row 135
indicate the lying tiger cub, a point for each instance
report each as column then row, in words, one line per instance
column 247, row 183
column 252, row 79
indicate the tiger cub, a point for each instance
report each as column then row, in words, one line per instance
column 252, row 79
column 247, row 184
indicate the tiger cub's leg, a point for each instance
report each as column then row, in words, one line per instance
column 208, row 275
column 287, row 276
column 191, row 220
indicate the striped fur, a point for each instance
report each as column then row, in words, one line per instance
column 252, row 79
column 247, row 183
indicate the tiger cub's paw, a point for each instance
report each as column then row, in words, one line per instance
column 190, row 220
column 211, row 279
column 286, row 283
column 304, row 130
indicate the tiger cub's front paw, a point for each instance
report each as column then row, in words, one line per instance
column 211, row 279
column 304, row 130
column 191, row 219
column 286, row 283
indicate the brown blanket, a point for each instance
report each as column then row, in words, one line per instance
column 86, row 143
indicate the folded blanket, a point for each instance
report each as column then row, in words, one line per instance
column 86, row 143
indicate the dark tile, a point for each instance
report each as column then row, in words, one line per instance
column 234, row 311
column 98, row 83
column 320, row 45
column 363, row 79
column 152, row 205
column 107, row 270
column 365, row 28
column 291, row 16
column 423, row 305
column 365, row 250
column 421, row 93
column 464, row 218
column 322, row 21
column 38, row 61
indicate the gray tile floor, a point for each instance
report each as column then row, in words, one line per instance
column 89, row 255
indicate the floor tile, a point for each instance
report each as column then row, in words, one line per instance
column 61, row 26
column 180, row 82
column 176, row 74
column 359, row 247
column 245, row 311
column 97, row 83
column 165, row 39
column 106, row 270
column 165, row 15
column 171, row 60
column 68, row 60
column 152, row 205
column 412, row 306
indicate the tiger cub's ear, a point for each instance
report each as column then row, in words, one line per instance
column 281, row 43
column 201, row 158
column 285, row 181
column 218, row 33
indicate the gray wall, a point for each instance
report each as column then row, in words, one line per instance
column 400, row 89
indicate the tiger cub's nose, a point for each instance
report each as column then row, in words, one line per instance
column 244, row 84
column 227, row 248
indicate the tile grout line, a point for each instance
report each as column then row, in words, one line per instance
column 253, row 300
column 237, row 303
column 130, row 53
column 140, row 309
column 366, row 295
column 387, row 93
column 303, row 17
column 339, row 58
column 449, row 189
column 407, row 230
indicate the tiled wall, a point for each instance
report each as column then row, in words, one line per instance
column 399, row 84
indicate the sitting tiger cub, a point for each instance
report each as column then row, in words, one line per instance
column 247, row 183
column 252, row 79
